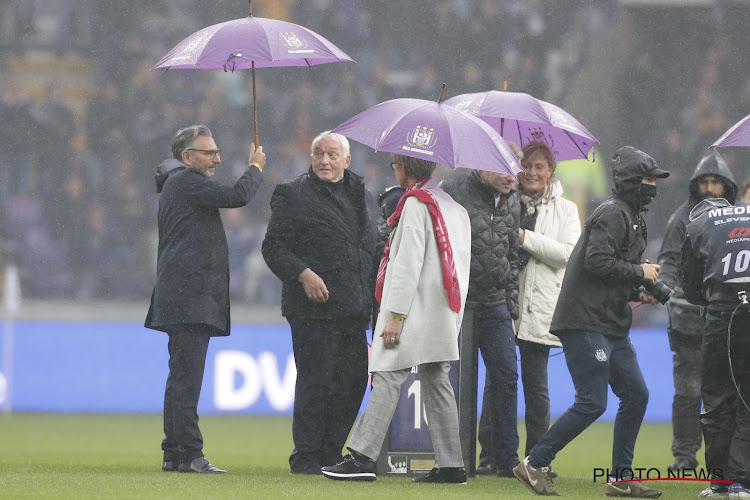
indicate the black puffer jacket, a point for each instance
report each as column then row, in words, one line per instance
column 683, row 316
column 604, row 271
column 308, row 229
column 494, row 241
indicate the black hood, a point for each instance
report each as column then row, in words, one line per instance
column 629, row 167
column 164, row 169
column 705, row 205
column 713, row 164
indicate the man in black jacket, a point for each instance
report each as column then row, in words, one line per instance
column 191, row 296
column 715, row 264
column 592, row 320
column 711, row 179
column 320, row 243
column 492, row 303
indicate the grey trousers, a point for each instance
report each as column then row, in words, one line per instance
column 440, row 409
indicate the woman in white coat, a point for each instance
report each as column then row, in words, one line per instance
column 550, row 227
column 422, row 285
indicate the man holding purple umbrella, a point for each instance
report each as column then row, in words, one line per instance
column 190, row 301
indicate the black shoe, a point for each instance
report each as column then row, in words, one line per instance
column 486, row 470
column 444, row 475
column 352, row 468
column 169, row 467
column 506, row 471
column 202, row 466
column 310, row 469
column 682, row 463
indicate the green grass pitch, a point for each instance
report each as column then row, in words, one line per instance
column 118, row 456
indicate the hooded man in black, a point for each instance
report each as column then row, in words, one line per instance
column 592, row 320
column 711, row 179
column 716, row 274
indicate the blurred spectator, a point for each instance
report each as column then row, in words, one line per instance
column 745, row 192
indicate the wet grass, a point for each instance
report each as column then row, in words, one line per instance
column 118, row 456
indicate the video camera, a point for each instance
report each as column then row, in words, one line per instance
column 659, row 290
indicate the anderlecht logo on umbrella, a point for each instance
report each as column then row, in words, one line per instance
column 292, row 41
column 422, row 137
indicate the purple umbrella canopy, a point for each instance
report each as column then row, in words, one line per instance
column 522, row 118
column 258, row 41
column 249, row 43
column 738, row 135
column 431, row 131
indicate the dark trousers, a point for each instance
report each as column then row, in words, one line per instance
column 534, row 360
column 596, row 361
column 686, row 405
column 725, row 420
column 493, row 332
column 187, row 346
column 331, row 359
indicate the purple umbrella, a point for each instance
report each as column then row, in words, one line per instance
column 431, row 131
column 738, row 135
column 249, row 43
column 521, row 118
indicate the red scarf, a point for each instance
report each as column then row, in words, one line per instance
column 450, row 279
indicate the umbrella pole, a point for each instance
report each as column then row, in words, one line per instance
column 502, row 120
column 255, row 110
column 250, row 7
column 442, row 91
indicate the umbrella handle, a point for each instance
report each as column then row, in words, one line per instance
column 255, row 109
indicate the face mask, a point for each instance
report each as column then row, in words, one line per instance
column 648, row 193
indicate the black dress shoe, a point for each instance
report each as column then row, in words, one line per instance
column 310, row 469
column 444, row 475
column 486, row 470
column 202, row 466
column 683, row 463
column 169, row 467
column 506, row 471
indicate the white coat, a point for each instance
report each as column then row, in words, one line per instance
column 555, row 233
column 414, row 286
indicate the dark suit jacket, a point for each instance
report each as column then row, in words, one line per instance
column 307, row 229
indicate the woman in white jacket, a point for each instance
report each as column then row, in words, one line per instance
column 550, row 227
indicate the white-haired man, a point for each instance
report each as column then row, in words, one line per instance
column 320, row 243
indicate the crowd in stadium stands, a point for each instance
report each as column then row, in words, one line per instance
column 76, row 175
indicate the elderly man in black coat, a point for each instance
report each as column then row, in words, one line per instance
column 320, row 243
column 190, row 301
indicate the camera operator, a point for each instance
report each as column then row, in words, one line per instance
column 715, row 262
column 592, row 320
column 711, row 179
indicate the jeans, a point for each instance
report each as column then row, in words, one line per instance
column 686, row 406
column 725, row 420
column 534, row 359
column 596, row 361
column 493, row 333
column 331, row 360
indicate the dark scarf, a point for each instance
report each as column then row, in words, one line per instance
column 529, row 213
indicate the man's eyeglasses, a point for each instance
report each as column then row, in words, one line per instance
column 211, row 153
column 393, row 165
